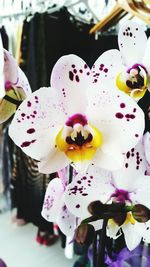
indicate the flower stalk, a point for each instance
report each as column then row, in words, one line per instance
column 102, row 244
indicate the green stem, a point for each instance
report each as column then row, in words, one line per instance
column 129, row 208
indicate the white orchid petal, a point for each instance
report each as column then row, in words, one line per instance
column 55, row 161
column 53, row 200
column 112, row 229
column 146, row 232
column 37, row 122
column 81, row 166
column 132, row 238
column 71, row 77
column 23, row 82
column 95, row 185
column 107, row 66
column 146, row 142
column 132, row 43
column 10, row 69
column 141, row 194
column 108, row 157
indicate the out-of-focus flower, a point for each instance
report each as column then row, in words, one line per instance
column 14, row 86
column 77, row 120
column 128, row 68
column 55, row 210
column 128, row 186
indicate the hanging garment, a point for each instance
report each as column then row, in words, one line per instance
column 4, row 37
column 29, row 189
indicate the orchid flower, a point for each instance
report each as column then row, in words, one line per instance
column 14, row 85
column 54, row 208
column 128, row 68
column 129, row 186
column 78, row 120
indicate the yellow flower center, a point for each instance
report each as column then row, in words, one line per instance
column 79, row 141
column 133, row 81
column 129, row 218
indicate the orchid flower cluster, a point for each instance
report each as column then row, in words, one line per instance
column 90, row 119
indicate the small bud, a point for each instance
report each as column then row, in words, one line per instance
column 119, row 218
column 84, row 234
column 96, row 208
column 141, row 213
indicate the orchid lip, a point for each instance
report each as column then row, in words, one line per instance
column 79, row 139
column 133, row 81
column 137, row 77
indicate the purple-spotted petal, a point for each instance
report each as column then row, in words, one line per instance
column 83, row 190
column 71, row 76
column 133, row 166
column 67, row 222
column 63, row 175
column 132, row 43
column 37, row 122
column 55, row 161
column 107, row 66
column 119, row 119
column 53, row 200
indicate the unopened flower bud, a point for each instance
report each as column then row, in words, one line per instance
column 119, row 218
column 84, row 234
column 141, row 213
column 95, row 208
